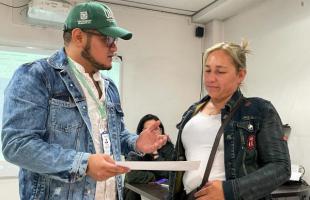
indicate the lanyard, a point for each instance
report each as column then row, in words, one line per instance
column 83, row 81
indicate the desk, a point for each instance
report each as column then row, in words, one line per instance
column 159, row 192
column 300, row 191
column 150, row 191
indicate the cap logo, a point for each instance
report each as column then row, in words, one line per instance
column 109, row 14
column 83, row 15
column 84, row 18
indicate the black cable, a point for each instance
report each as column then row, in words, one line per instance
column 14, row 6
column 201, row 79
column 303, row 171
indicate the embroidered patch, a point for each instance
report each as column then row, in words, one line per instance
column 251, row 142
column 247, row 103
column 109, row 14
column 83, row 15
column 84, row 18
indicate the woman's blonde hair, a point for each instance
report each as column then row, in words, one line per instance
column 235, row 51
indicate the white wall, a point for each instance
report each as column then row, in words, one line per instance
column 162, row 64
column 9, row 189
column 278, row 69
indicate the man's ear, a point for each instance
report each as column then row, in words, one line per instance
column 78, row 37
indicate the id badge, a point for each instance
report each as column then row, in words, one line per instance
column 106, row 144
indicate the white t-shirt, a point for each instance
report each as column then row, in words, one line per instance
column 198, row 137
column 105, row 190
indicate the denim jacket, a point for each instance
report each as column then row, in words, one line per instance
column 256, row 154
column 46, row 131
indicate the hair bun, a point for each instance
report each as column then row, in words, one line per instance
column 244, row 46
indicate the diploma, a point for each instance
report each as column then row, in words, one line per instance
column 160, row 165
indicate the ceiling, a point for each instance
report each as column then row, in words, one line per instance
column 201, row 11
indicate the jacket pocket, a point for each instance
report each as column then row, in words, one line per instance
column 64, row 123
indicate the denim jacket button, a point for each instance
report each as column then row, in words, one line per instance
column 84, row 107
column 63, row 72
column 71, row 85
column 228, row 137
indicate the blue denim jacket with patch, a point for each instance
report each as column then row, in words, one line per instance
column 46, row 131
column 256, row 154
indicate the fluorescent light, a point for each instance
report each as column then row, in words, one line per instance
column 48, row 10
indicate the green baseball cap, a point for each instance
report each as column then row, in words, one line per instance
column 96, row 16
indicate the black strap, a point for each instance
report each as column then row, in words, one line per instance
column 216, row 143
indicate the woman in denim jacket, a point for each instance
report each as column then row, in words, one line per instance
column 252, row 158
column 63, row 121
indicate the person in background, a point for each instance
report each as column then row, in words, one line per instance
column 162, row 154
column 252, row 158
column 63, row 121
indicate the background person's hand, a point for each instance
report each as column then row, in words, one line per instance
column 101, row 167
column 213, row 190
column 149, row 140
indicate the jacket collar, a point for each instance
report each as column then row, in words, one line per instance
column 233, row 100
column 228, row 107
column 58, row 60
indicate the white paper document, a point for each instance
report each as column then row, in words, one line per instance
column 160, row 165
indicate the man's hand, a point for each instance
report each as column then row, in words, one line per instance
column 101, row 167
column 213, row 190
column 149, row 139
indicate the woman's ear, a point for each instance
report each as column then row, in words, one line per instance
column 241, row 75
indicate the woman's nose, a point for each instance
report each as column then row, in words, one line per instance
column 210, row 77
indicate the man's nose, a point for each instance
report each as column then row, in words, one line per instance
column 113, row 47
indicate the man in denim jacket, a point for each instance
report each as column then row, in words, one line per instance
column 63, row 122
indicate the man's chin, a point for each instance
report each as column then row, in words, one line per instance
column 106, row 67
column 103, row 67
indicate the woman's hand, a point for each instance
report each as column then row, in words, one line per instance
column 213, row 190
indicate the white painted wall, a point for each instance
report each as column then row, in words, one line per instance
column 278, row 69
column 162, row 64
column 9, row 189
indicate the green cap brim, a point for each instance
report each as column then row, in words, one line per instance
column 116, row 32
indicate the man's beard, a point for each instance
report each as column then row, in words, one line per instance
column 86, row 54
